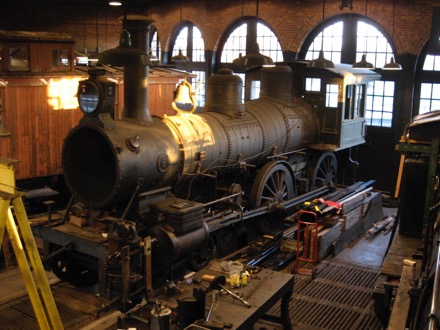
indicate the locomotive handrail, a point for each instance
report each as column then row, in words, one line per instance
column 219, row 221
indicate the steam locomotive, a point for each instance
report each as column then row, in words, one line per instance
column 149, row 192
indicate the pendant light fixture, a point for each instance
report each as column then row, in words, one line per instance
column 180, row 58
column 393, row 65
column 254, row 57
column 363, row 62
column 321, row 62
column 124, row 54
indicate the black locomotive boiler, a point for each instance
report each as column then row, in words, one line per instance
column 149, row 192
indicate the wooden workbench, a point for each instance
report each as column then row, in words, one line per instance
column 263, row 291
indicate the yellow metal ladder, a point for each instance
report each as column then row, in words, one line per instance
column 20, row 234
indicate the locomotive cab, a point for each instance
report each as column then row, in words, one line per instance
column 337, row 94
column 340, row 94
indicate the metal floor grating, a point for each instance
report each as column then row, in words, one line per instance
column 339, row 297
column 74, row 306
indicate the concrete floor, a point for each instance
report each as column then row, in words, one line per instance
column 368, row 251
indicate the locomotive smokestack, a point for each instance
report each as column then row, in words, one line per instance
column 224, row 93
column 136, row 70
column 276, row 83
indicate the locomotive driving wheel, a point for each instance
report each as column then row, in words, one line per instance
column 323, row 169
column 273, row 184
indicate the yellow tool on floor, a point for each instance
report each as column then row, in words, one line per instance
column 22, row 239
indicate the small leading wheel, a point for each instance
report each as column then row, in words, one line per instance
column 323, row 169
column 273, row 184
column 199, row 259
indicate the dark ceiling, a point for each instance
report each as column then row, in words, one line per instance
column 81, row 3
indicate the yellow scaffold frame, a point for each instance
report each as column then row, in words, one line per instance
column 10, row 196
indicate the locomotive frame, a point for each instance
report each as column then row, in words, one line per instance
column 155, row 191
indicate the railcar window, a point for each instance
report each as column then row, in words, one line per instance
column 331, row 97
column 354, row 104
column 18, row 58
column 360, row 104
column 60, row 59
column 313, row 84
column 255, row 89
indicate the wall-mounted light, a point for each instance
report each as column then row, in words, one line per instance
column 115, row 3
column 346, row 3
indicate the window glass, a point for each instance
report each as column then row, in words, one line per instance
column 360, row 104
column 198, row 49
column 18, row 58
column 268, row 42
column 155, row 45
column 181, row 42
column 373, row 44
column 255, row 89
column 313, row 84
column 369, row 40
column 429, row 97
column 60, row 59
column 331, row 98
column 199, row 85
column 330, row 41
column 243, row 79
column 380, row 99
column 235, row 46
column 189, row 40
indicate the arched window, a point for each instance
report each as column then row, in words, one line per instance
column 155, row 50
column 427, row 87
column 240, row 40
column 359, row 36
column 190, row 43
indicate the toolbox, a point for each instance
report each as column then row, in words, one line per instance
column 181, row 214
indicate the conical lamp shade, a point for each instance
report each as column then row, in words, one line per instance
column 124, row 54
column 320, row 62
column 363, row 63
column 392, row 65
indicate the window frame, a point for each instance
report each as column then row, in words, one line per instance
column 349, row 51
column 423, row 76
column 191, row 66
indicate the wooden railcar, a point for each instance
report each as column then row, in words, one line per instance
column 39, row 76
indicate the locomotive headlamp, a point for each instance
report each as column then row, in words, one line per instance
column 96, row 94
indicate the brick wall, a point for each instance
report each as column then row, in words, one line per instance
column 291, row 20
